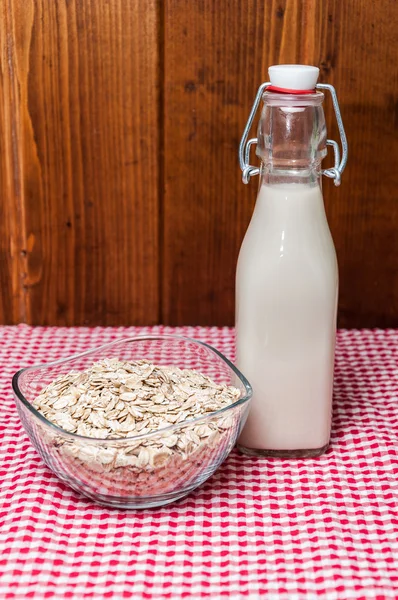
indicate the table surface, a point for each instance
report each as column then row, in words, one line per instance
column 259, row 528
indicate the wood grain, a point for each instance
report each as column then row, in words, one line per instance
column 80, row 84
column 364, row 212
column 13, row 300
column 216, row 54
column 121, row 196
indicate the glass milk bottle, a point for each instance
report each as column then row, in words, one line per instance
column 287, row 277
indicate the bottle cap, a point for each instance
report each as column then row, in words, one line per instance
column 293, row 78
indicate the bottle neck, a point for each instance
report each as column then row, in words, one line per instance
column 310, row 176
column 291, row 139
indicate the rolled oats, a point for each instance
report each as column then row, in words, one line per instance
column 117, row 400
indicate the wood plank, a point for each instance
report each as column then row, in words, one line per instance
column 12, row 232
column 361, row 62
column 85, row 75
column 215, row 56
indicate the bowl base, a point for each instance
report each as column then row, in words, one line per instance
column 133, row 503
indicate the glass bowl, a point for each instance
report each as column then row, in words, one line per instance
column 102, row 469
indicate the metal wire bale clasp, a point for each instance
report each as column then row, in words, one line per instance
column 245, row 145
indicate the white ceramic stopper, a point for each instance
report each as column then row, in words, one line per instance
column 294, row 77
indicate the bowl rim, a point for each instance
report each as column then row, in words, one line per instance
column 20, row 396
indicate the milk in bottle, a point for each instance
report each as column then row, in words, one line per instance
column 287, row 278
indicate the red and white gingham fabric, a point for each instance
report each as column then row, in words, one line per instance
column 272, row 529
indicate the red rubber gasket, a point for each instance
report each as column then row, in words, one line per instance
column 273, row 88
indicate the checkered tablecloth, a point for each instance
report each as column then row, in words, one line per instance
column 272, row 529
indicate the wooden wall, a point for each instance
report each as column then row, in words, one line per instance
column 121, row 196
